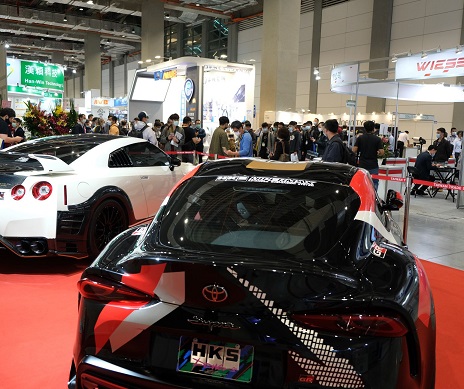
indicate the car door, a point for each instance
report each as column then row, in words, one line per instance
column 153, row 169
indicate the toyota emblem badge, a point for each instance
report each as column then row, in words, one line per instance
column 214, row 293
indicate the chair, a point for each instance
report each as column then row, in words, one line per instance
column 415, row 174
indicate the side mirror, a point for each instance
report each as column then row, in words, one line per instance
column 174, row 162
column 394, row 201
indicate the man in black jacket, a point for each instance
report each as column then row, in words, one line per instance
column 370, row 147
column 6, row 116
column 444, row 147
column 424, row 165
column 79, row 127
column 334, row 150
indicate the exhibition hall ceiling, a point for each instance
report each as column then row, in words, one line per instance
column 36, row 29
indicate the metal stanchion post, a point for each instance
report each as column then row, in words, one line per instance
column 407, row 198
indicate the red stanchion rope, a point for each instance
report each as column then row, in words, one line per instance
column 420, row 182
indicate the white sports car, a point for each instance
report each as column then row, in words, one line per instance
column 70, row 195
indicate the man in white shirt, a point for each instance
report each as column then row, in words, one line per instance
column 403, row 139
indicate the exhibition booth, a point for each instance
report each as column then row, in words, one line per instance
column 36, row 82
column 200, row 88
column 413, row 79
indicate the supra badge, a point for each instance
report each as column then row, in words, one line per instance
column 211, row 323
column 214, row 293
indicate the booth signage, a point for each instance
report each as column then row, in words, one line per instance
column 438, row 65
column 42, row 75
column 350, row 103
column 34, row 91
column 413, row 116
column 34, row 74
column 344, row 75
column 102, row 102
column 165, row 74
column 189, row 88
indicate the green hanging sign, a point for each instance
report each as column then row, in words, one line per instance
column 42, row 75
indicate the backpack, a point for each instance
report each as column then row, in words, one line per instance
column 349, row 156
column 138, row 133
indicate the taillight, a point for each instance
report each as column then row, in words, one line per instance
column 355, row 324
column 105, row 290
column 42, row 190
column 18, row 192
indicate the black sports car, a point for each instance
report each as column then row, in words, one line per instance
column 259, row 275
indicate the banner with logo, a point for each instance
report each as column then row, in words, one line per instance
column 344, row 75
column 447, row 63
column 34, row 75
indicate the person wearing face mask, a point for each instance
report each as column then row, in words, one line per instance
column 6, row 114
column 220, row 140
column 17, row 129
column 173, row 136
column 444, row 147
column 453, row 135
column 245, row 141
column 306, row 142
column 295, row 141
column 424, row 165
column 114, row 128
column 201, row 134
column 108, row 123
column 457, row 146
column 265, row 142
column 79, row 127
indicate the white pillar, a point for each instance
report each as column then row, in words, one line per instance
column 3, row 75
column 152, row 29
column 280, row 47
column 93, row 68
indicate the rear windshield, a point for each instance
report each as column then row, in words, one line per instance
column 287, row 217
column 66, row 149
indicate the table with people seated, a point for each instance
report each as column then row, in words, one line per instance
column 444, row 174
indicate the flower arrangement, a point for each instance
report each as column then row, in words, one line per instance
column 386, row 145
column 36, row 120
column 58, row 121
column 41, row 124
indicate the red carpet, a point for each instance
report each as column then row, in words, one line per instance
column 38, row 305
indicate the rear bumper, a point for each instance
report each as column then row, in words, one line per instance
column 93, row 373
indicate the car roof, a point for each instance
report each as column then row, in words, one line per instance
column 337, row 173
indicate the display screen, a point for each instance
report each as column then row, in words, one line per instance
column 149, row 89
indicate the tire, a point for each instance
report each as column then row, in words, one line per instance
column 107, row 220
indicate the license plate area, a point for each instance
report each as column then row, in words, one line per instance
column 215, row 359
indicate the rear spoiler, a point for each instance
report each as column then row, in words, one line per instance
column 51, row 163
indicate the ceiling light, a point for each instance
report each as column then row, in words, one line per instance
column 133, row 31
column 65, row 19
column 318, row 77
column 140, row 62
column 197, row 4
column 7, row 45
column 394, row 58
column 223, row 56
column 316, row 71
column 148, row 60
column 424, row 54
column 89, row 2
column 74, row 71
column 157, row 56
column 81, row 9
column 123, row 36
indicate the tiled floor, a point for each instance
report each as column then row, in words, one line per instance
column 436, row 230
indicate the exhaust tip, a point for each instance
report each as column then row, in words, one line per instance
column 23, row 247
column 38, row 247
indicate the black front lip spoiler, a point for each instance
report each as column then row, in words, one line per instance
column 94, row 369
